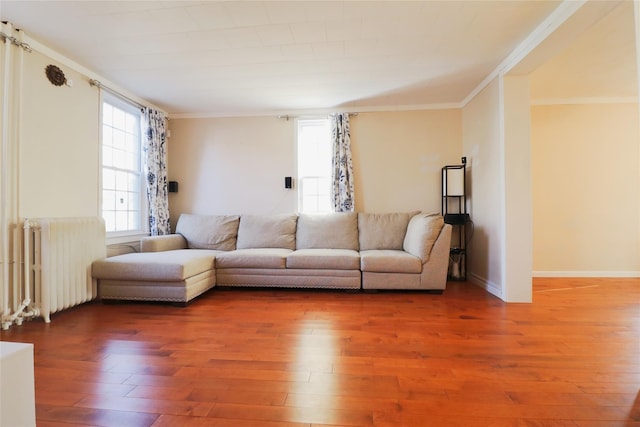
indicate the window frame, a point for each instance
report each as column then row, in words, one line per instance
column 300, row 122
column 126, row 236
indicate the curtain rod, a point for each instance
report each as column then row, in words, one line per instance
column 16, row 42
column 96, row 83
column 288, row 116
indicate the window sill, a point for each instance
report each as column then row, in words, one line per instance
column 128, row 238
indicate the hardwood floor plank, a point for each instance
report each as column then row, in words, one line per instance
column 351, row 417
column 294, row 358
column 175, row 421
column 262, row 398
column 160, row 392
column 239, row 373
column 155, row 406
column 93, row 417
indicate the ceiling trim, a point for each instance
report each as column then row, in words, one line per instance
column 324, row 111
column 585, row 100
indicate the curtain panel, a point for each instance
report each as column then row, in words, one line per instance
column 342, row 170
column 155, row 168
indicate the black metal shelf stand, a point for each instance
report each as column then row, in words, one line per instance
column 454, row 210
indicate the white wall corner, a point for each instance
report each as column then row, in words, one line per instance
column 493, row 288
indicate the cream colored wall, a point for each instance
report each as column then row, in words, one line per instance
column 59, row 144
column 481, row 144
column 231, row 165
column 238, row 165
column 516, row 182
column 586, row 174
column 398, row 158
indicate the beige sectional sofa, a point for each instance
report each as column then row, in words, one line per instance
column 338, row 251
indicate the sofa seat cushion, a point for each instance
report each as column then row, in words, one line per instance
column 390, row 261
column 253, row 258
column 164, row 266
column 329, row 259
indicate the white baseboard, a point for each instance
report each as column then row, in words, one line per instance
column 487, row 285
column 606, row 273
column 496, row 290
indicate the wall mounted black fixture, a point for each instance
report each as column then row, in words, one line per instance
column 288, row 182
column 173, row 186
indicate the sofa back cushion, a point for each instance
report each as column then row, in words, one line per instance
column 327, row 231
column 209, row 231
column 382, row 231
column 275, row 231
column 422, row 232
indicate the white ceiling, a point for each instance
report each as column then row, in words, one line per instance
column 253, row 57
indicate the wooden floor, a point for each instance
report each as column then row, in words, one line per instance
column 257, row 358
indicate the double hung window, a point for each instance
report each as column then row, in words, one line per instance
column 314, row 166
column 123, row 197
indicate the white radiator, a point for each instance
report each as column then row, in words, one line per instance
column 58, row 253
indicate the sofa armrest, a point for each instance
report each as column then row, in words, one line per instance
column 434, row 272
column 166, row 242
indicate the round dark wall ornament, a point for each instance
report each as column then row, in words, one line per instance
column 55, row 75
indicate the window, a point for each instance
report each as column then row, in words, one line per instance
column 314, row 166
column 123, row 204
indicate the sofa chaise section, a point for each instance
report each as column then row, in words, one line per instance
column 175, row 275
column 172, row 268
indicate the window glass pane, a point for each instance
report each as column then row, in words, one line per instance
column 134, row 201
column 122, row 180
column 118, row 139
column 131, row 124
column 108, row 179
column 324, row 186
column 108, row 200
column 324, row 204
column 109, row 220
column 134, row 219
column 309, row 186
column 107, row 114
column 118, row 118
column 121, row 200
column 121, row 221
column 130, row 162
column 107, row 156
column 118, row 159
column 131, row 143
column 310, row 204
column 107, row 136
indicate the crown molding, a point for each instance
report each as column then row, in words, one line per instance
column 585, row 100
column 319, row 112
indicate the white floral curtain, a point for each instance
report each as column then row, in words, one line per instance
column 155, row 168
column 342, row 170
